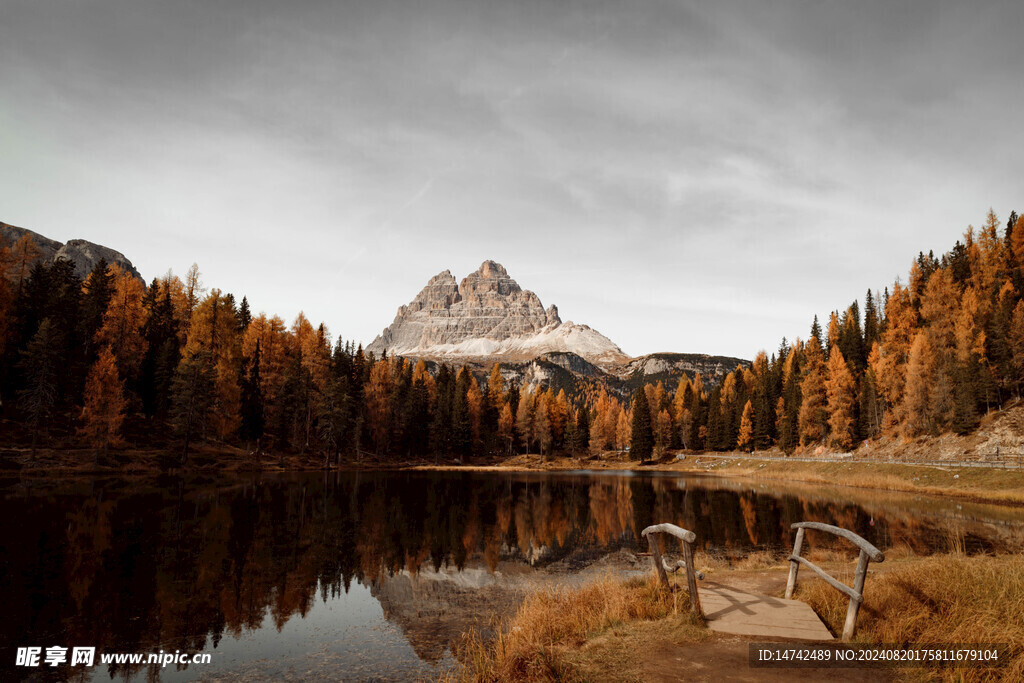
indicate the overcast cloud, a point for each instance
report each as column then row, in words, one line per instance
column 696, row 177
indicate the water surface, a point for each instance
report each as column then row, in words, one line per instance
column 373, row 575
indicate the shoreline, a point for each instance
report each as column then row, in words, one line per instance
column 970, row 484
column 975, row 483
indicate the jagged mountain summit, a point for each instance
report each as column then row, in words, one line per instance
column 488, row 315
column 83, row 254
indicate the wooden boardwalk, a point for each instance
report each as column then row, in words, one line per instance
column 731, row 610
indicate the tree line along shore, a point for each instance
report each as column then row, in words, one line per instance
column 111, row 365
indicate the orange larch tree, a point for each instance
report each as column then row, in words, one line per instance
column 841, row 390
column 745, row 439
column 916, row 414
column 103, row 412
column 496, row 388
column 475, row 403
column 123, row 323
column 813, row 416
column 894, row 349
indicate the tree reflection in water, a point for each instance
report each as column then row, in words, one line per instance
column 140, row 565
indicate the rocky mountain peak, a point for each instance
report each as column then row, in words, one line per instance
column 82, row 254
column 487, row 314
column 489, row 278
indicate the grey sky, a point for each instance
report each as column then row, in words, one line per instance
column 699, row 177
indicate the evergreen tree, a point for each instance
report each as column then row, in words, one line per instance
column 870, row 320
column 462, row 432
column 642, row 436
column 417, row 416
column 244, row 315
column 571, row 437
column 163, row 379
column 253, row 420
column 788, row 418
column 582, row 430
column 161, row 335
column 816, row 336
column 192, row 394
column 40, row 364
column 64, row 305
column 98, row 290
column 713, row 432
column 965, row 398
column 441, row 428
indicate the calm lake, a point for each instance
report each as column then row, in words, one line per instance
column 371, row 575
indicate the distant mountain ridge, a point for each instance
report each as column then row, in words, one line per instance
column 83, row 254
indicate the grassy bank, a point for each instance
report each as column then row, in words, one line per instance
column 970, row 483
column 973, row 483
column 595, row 632
column 935, row 600
column 608, row 629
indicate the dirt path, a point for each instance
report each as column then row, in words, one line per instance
column 727, row 660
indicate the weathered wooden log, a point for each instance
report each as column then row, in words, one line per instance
column 841, row 587
column 672, row 529
column 874, row 553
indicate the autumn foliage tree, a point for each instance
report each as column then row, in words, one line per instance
column 104, row 407
column 123, row 323
column 841, row 390
column 814, row 397
column 923, row 356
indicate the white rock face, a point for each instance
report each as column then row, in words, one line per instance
column 487, row 315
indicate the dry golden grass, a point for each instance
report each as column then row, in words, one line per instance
column 940, row 599
column 995, row 485
column 542, row 641
column 755, row 560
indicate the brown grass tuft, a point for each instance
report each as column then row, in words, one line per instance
column 549, row 623
column 935, row 600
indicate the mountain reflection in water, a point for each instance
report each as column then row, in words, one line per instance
column 372, row 574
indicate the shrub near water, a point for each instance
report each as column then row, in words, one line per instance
column 554, row 619
column 935, row 600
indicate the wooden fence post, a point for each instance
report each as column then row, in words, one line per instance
column 691, row 578
column 652, row 543
column 858, row 586
column 687, row 539
column 868, row 553
column 794, row 566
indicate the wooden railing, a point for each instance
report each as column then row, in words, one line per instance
column 868, row 553
column 686, row 539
